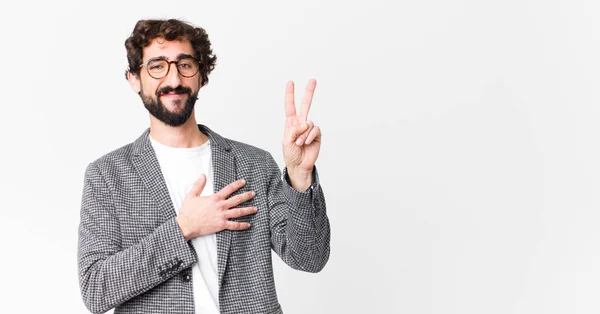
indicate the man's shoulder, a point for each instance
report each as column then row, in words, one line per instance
column 238, row 147
column 247, row 153
column 116, row 158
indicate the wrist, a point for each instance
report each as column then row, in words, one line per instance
column 300, row 179
column 181, row 221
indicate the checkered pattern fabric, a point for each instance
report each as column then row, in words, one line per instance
column 132, row 255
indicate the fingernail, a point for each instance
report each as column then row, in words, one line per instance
column 299, row 142
column 253, row 193
column 243, row 181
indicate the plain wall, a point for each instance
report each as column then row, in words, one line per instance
column 460, row 159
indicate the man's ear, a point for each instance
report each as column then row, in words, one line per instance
column 134, row 82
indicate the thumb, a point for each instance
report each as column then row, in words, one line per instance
column 198, row 186
column 296, row 131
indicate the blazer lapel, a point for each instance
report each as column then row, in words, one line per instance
column 224, row 173
column 148, row 168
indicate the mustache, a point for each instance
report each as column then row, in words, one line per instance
column 177, row 90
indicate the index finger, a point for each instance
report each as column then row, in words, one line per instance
column 307, row 99
column 230, row 188
column 290, row 107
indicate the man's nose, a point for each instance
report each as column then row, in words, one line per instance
column 172, row 78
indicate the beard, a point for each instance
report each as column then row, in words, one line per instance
column 157, row 109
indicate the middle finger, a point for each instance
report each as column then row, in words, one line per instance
column 307, row 99
column 238, row 199
column 239, row 212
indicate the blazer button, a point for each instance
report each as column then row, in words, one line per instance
column 187, row 278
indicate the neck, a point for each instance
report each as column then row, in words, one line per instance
column 186, row 135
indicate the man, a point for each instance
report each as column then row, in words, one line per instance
column 183, row 220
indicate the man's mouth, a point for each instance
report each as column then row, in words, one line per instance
column 172, row 94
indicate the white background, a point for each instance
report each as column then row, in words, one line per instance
column 460, row 156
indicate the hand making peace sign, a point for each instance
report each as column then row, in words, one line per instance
column 302, row 139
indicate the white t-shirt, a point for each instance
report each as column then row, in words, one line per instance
column 181, row 168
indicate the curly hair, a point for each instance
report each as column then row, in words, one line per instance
column 147, row 30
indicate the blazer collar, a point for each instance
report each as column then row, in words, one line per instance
column 142, row 144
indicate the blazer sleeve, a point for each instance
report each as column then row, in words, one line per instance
column 110, row 274
column 300, row 231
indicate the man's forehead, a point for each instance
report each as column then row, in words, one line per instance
column 170, row 49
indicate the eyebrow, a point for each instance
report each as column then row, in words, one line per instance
column 179, row 57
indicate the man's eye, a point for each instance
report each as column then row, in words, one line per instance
column 156, row 67
column 185, row 65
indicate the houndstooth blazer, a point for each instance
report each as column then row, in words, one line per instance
column 132, row 255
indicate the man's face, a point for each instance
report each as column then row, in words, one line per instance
column 171, row 98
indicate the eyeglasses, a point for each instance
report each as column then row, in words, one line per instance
column 159, row 68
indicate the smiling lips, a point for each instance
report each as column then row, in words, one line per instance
column 174, row 95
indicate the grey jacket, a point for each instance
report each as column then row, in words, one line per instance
column 132, row 255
